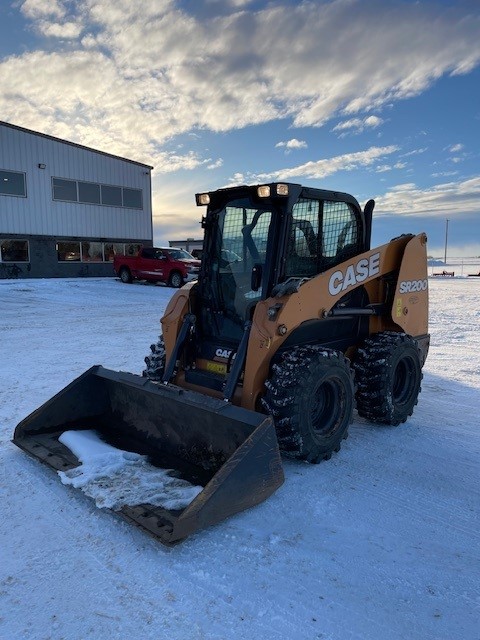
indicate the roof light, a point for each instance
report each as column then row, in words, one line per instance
column 203, row 198
column 263, row 191
column 282, row 189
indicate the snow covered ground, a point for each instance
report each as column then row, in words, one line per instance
column 381, row 542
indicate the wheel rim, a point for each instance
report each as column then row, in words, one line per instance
column 176, row 280
column 326, row 411
column 403, row 380
column 124, row 276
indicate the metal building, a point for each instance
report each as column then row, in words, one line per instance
column 66, row 209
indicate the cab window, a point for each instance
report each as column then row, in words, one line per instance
column 322, row 234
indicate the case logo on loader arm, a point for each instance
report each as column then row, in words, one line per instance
column 353, row 274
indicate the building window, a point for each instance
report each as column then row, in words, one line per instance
column 111, row 196
column 65, row 190
column 112, row 249
column 89, row 192
column 68, row 251
column 132, row 198
column 92, row 252
column 86, row 251
column 14, row 251
column 12, row 183
column 93, row 193
column 132, row 249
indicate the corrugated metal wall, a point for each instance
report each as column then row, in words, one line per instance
column 39, row 214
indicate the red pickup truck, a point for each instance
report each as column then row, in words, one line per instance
column 153, row 264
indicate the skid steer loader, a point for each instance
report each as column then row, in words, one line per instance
column 294, row 320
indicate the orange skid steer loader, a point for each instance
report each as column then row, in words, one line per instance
column 293, row 322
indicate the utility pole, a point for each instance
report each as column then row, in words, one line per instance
column 446, row 240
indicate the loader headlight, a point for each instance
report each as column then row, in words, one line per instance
column 263, row 191
column 280, row 190
column 202, row 199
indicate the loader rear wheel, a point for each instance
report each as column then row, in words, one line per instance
column 310, row 396
column 388, row 372
column 155, row 361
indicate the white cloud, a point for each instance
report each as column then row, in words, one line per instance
column 50, row 18
column 101, row 108
column 440, row 200
column 233, row 3
column 292, row 144
column 444, row 174
column 134, row 75
column 455, row 148
column 67, row 30
column 238, row 178
column 328, row 166
column 382, row 168
column 372, row 121
column 35, row 9
column 357, row 125
column 354, row 123
column 215, row 165
column 414, row 152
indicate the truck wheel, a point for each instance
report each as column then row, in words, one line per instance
column 310, row 396
column 388, row 372
column 125, row 275
column 155, row 361
column 175, row 280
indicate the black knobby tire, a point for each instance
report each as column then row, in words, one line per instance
column 310, row 396
column 125, row 275
column 155, row 361
column 175, row 280
column 388, row 373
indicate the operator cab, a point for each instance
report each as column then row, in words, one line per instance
column 259, row 239
column 261, row 236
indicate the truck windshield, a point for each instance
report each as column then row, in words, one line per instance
column 240, row 242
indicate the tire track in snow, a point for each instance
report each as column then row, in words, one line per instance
column 67, row 518
column 422, row 508
column 42, row 481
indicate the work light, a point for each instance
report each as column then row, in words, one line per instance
column 203, row 198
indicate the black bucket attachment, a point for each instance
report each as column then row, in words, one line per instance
column 232, row 452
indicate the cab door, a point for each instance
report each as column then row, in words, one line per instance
column 323, row 234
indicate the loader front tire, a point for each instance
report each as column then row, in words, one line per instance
column 388, row 373
column 155, row 361
column 310, row 396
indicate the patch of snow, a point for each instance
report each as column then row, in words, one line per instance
column 381, row 542
column 115, row 478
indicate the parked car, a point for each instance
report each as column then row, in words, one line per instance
column 158, row 264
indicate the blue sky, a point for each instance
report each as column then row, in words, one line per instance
column 379, row 98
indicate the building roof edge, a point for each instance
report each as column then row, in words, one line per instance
column 72, row 144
